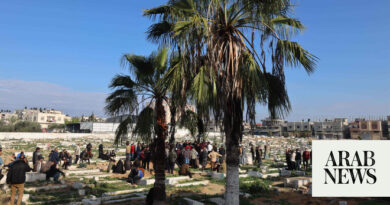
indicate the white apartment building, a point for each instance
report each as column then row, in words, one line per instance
column 7, row 115
column 301, row 126
column 331, row 128
column 43, row 117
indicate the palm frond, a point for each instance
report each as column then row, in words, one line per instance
column 123, row 129
column 278, row 100
column 160, row 32
column 292, row 54
column 189, row 120
column 146, row 121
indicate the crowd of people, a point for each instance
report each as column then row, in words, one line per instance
column 184, row 155
column 295, row 158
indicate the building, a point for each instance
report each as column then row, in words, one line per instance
column 7, row 115
column 271, row 127
column 92, row 118
column 121, row 118
column 44, row 117
column 366, row 129
column 300, row 128
column 98, row 127
column 331, row 129
column 386, row 127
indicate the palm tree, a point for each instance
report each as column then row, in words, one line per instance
column 146, row 79
column 228, row 43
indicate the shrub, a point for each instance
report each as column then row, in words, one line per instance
column 255, row 188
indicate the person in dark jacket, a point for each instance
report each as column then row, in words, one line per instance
column 135, row 175
column 306, row 157
column 54, row 156
column 118, row 168
column 67, row 158
column 288, row 159
column 203, row 155
column 101, row 152
column 147, row 154
column 171, row 160
column 16, row 177
column 298, row 159
column 259, row 155
column 223, row 153
column 54, row 172
column 35, row 156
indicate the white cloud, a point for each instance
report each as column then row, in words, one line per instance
column 16, row 94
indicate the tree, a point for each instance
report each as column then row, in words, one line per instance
column 73, row 120
column 228, row 42
column 147, row 80
column 27, row 126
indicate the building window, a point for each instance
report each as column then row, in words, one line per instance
column 59, row 119
column 374, row 126
column 42, row 118
column 364, row 126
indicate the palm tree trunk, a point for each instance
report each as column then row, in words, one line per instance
column 233, row 131
column 161, row 131
column 173, row 124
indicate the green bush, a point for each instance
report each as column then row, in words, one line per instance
column 82, row 165
column 255, row 188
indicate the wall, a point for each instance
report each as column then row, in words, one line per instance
column 37, row 135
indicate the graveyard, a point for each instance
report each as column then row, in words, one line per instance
column 93, row 184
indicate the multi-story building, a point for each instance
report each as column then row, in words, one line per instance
column 271, row 127
column 7, row 115
column 42, row 116
column 300, row 128
column 366, row 129
column 331, row 129
column 386, row 127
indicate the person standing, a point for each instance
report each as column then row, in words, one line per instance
column 36, row 153
column 132, row 151
column 101, row 151
column 142, row 157
column 1, row 163
column 241, row 158
column 288, row 159
column 306, row 157
column 194, row 157
column 147, row 158
column 203, row 156
column 54, row 156
column 259, row 154
column 39, row 164
column 187, row 155
column 293, row 163
column 128, row 151
column 171, row 160
column 16, row 177
column 253, row 152
column 298, row 159
column 213, row 158
column 209, row 147
column 77, row 153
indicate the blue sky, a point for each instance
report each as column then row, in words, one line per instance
column 62, row 54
